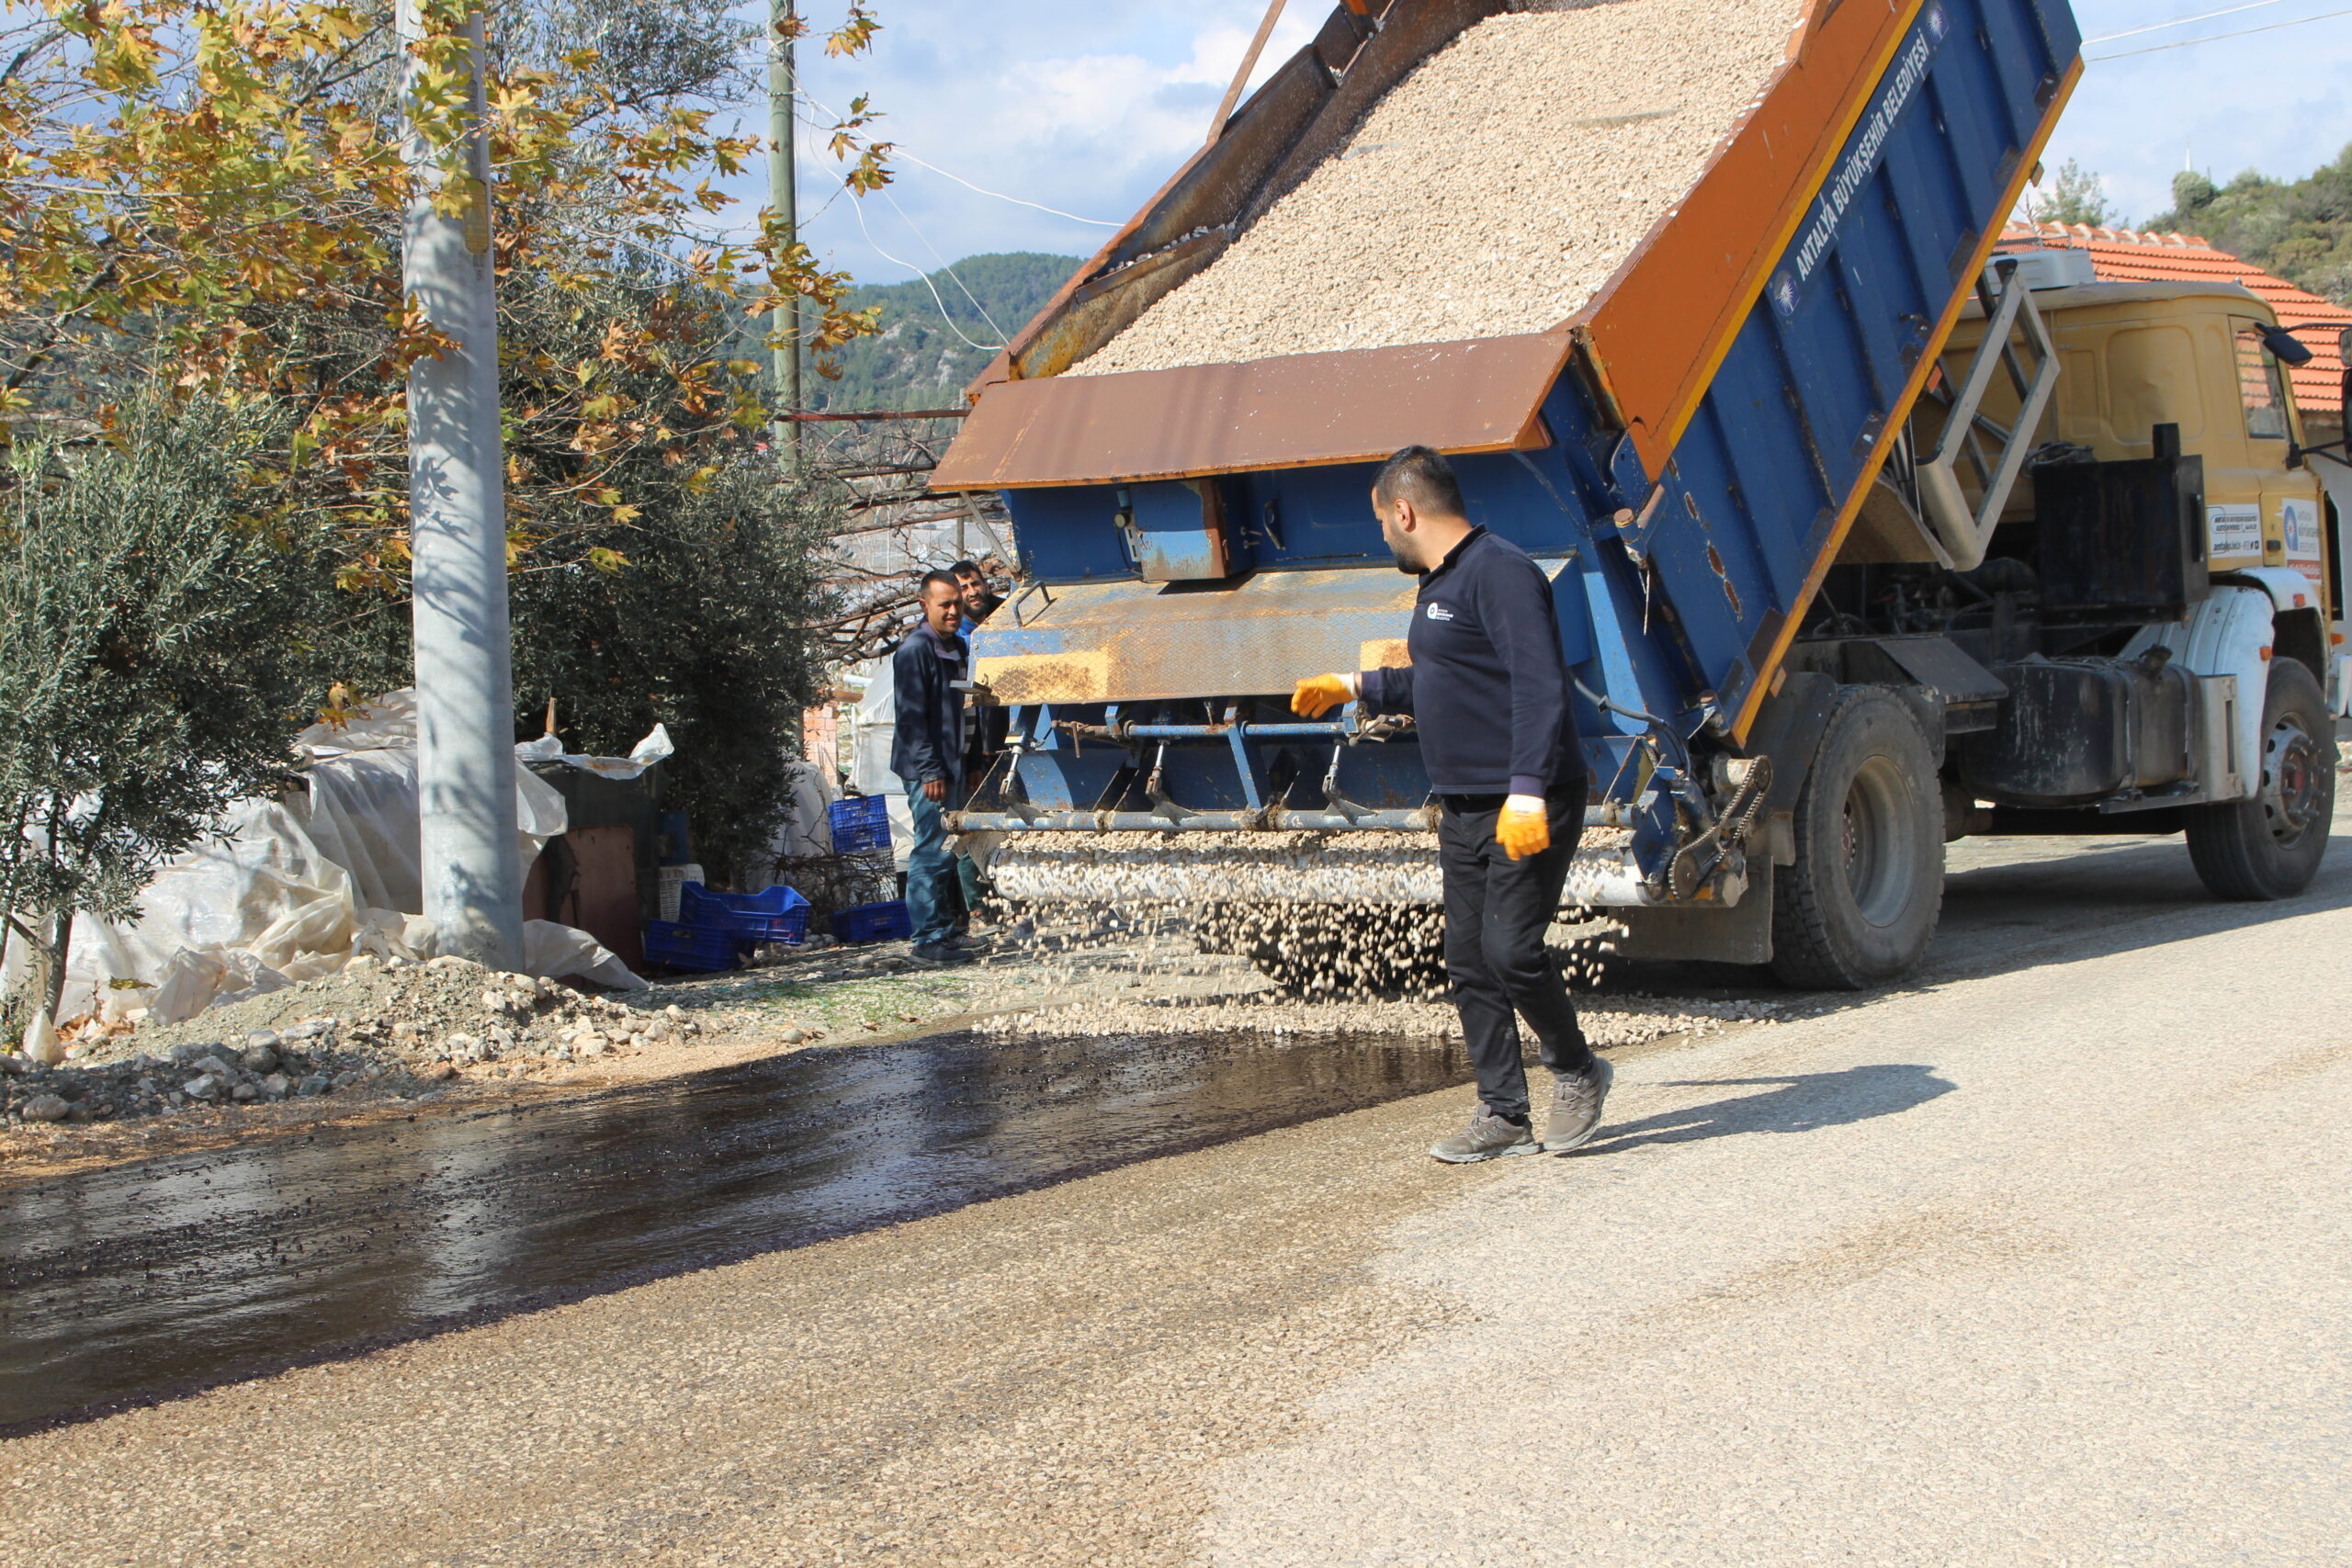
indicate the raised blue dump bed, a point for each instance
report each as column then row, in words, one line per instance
column 1680, row 577
column 778, row 915
column 873, row 922
column 860, row 823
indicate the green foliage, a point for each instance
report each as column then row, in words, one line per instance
column 700, row 631
column 2076, row 196
column 177, row 593
column 916, row 360
column 2301, row 229
column 157, row 646
column 669, row 577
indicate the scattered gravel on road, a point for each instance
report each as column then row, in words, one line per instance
column 1492, row 191
column 1609, row 1021
column 381, row 1040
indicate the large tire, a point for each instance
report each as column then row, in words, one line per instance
column 1859, row 905
column 2270, row 846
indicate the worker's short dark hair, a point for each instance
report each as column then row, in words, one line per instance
column 967, row 568
column 1422, row 476
column 943, row 579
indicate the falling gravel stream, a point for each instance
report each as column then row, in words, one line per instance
column 150, row 1280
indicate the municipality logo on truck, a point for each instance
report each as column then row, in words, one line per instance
column 1918, row 52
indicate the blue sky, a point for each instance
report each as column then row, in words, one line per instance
column 1086, row 105
column 2279, row 100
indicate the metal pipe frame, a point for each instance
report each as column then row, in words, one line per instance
column 1123, row 733
column 1276, row 819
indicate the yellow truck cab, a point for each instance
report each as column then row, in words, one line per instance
column 2134, row 355
column 2196, row 356
column 2111, row 515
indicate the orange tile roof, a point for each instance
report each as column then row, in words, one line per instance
column 2128, row 255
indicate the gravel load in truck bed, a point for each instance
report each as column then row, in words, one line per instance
column 1490, row 192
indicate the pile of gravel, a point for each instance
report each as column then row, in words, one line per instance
column 1180, row 869
column 1328, row 916
column 1492, row 191
column 1608, row 1023
column 261, row 1066
column 397, row 1025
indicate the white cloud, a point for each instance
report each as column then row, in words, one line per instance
column 2275, row 101
column 1088, row 105
column 1084, row 106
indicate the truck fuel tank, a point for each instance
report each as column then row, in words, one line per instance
column 2077, row 730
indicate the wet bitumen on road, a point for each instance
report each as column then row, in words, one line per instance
column 144, row 1281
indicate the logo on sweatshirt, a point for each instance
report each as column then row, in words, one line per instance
column 1439, row 613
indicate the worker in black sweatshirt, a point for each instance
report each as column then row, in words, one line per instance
column 1488, row 693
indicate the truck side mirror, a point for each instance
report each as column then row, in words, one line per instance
column 2289, row 348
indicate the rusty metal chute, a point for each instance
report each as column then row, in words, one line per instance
column 1299, row 411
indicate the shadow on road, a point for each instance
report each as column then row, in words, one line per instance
column 2012, row 904
column 1803, row 1103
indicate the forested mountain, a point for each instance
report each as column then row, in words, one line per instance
column 2301, row 229
column 919, row 360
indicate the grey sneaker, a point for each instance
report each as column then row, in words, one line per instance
column 1488, row 1136
column 1576, row 1099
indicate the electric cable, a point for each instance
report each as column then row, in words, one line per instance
column 1017, row 201
column 859, row 209
column 2180, row 22
column 2216, row 38
column 944, row 265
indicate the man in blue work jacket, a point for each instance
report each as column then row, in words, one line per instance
column 927, row 753
column 1488, row 693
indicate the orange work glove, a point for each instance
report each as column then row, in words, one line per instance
column 1318, row 695
column 1524, row 827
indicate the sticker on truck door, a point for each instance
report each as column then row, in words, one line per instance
column 2232, row 528
column 2299, row 524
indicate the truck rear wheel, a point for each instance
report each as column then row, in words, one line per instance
column 2270, row 846
column 1861, row 903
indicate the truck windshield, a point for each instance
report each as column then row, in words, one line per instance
column 2258, row 385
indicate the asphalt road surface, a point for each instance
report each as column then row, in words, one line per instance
column 2041, row 1258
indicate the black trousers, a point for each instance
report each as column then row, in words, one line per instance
column 1495, row 912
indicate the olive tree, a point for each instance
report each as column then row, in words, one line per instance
column 157, row 644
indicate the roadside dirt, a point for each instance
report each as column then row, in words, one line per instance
column 450, row 1038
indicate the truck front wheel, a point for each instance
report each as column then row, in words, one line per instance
column 1861, row 903
column 2270, row 846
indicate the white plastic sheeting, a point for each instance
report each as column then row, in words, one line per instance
column 876, row 721
column 809, row 830
column 653, row 749
column 877, row 725
column 295, row 888
column 362, row 812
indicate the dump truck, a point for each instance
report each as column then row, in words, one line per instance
column 1862, row 536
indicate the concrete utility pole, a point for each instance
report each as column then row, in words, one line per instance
column 465, row 683
column 784, row 435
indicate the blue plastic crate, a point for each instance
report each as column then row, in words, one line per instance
column 698, row 948
column 860, row 822
column 779, row 915
column 873, row 922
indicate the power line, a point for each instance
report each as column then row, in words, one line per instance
column 1018, row 202
column 2177, row 22
column 859, row 208
column 944, row 263
column 2216, row 38
column 899, row 150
